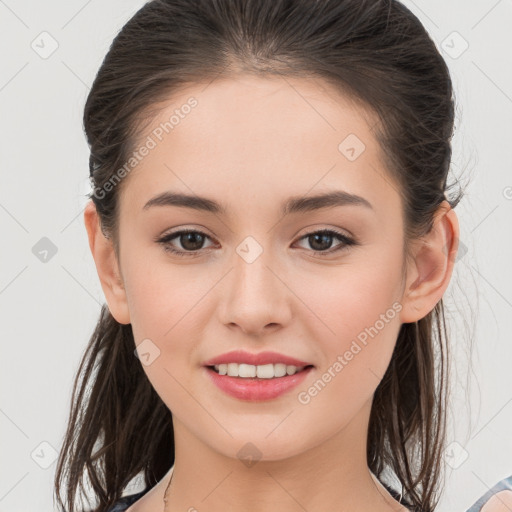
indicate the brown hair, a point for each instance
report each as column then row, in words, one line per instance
column 378, row 52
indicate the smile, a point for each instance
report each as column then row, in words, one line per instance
column 265, row 371
column 253, row 387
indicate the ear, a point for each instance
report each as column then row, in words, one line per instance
column 429, row 272
column 103, row 252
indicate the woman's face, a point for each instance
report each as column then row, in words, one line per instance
column 255, row 281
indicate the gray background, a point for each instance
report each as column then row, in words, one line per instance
column 50, row 302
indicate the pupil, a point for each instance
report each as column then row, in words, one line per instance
column 321, row 237
column 190, row 237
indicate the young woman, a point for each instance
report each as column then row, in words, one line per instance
column 272, row 229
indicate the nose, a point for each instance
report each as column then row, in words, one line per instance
column 256, row 298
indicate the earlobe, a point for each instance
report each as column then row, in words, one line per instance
column 430, row 271
column 103, row 252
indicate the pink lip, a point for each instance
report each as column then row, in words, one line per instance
column 241, row 356
column 254, row 389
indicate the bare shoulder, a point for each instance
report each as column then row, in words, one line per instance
column 499, row 502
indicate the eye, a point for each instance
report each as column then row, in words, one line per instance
column 192, row 240
column 321, row 241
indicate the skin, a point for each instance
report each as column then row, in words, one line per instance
column 251, row 143
column 500, row 502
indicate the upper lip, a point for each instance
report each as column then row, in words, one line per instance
column 241, row 356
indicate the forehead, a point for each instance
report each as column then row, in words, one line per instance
column 254, row 108
column 258, row 137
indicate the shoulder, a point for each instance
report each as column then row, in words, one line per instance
column 126, row 501
column 496, row 499
column 500, row 502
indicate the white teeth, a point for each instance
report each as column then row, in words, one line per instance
column 264, row 371
column 245, row 370
column 233, row 370
column 280, row 370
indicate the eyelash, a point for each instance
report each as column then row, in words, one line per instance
column 165, row 240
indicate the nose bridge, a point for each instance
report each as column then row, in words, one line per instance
column 256, row 296
column 251, row 277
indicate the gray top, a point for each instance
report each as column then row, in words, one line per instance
column 502, row 485
column 123, row 503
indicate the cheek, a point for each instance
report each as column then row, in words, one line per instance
column 162, row 295
column 347, row 299
column 354, row 316
column 167, row 315
column 354, row 360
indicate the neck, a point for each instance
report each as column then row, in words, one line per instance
column 330, row 476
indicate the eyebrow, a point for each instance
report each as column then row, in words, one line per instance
column 297, row 204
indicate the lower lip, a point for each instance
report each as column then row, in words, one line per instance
column 254, row 389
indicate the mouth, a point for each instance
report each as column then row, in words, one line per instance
column 257, row 372
column 262, row 383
